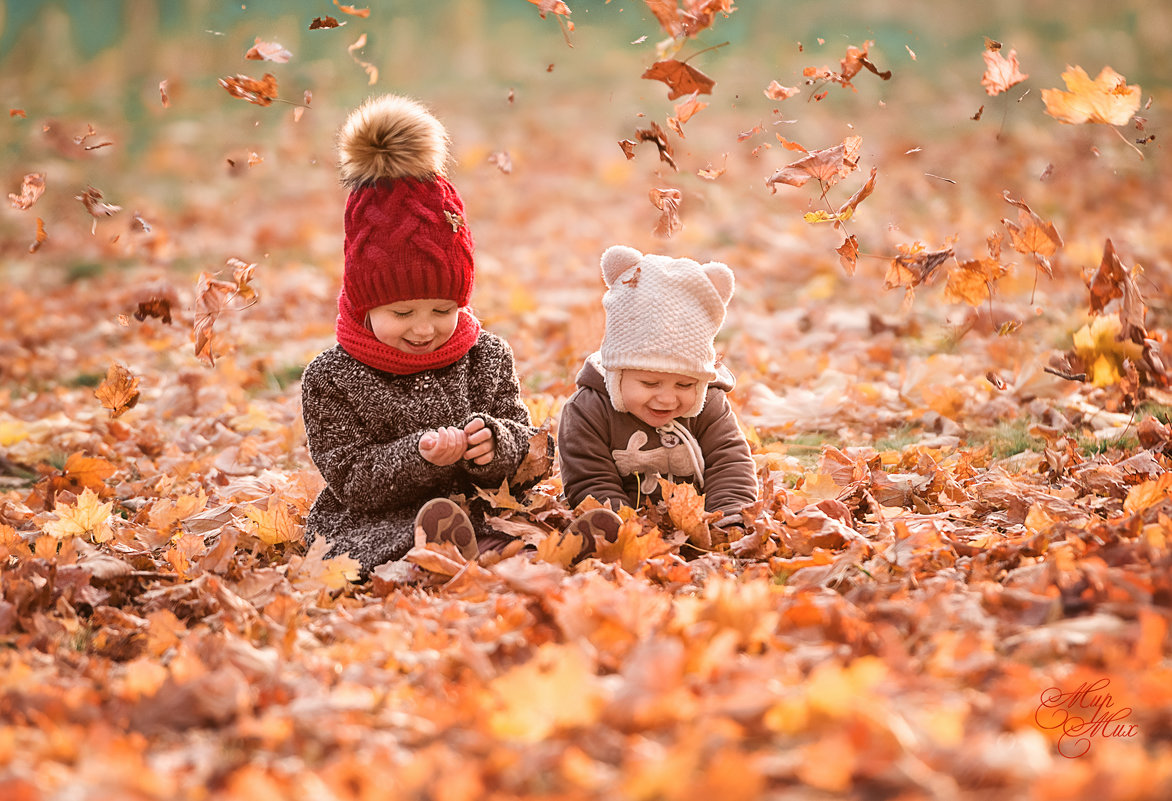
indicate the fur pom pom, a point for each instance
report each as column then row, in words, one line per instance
column 391, row 137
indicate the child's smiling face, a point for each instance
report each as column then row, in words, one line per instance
column 657, row 398
column 415, row 326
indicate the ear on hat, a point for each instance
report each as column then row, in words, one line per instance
column 616, row 260
column 722, row 279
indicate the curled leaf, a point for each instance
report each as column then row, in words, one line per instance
column 681, row 78
column 1107, row 99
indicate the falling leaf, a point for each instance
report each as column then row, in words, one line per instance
column 31, row 189
column 550, row 7
column 668, row 203
column 710, row 173
column 118, row 392
column 972, row 281
column 655, row 134
column 352, row 11
column 98, row 208
column 1032, row 236
column 88, row 518
column 694, row 17
column 686, row 110
column 268, row 51
column 1107, row 282
column 159, row 308
column 848, row 254
column 371, row 70
column 1107, row 100
column 17, row 112
column 502, row 161
column 681, row 78
column 212, row 296
column 261, row 93
column 828, row 166
column 864, row 192
column 324, row 22
column 913, row 268
column 775, row 91
column 41, row 238
column 1000, row 72
column 164, row 98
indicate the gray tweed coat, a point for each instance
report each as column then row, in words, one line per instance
column 363, row 427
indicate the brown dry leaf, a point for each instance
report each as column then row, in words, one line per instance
column 268, row 51
column 31, row 189
column 1033, row 236
column 972, row 281
column 668, row 203
column 655, row 134
column 848, row 254
column 775, row 91
column 681, row 78
column 1000, row 72
column 828, row 166
column 261, row 93
column 1106, row 100
column 856, row 60
column 912, row 268
column 320, row 23
column 118, row 392
column 686, row 110
column 98, row 208
column 848, row 208
column 211, row 297
column 164, row 98
column 352, row 11
column 156, row 307
column 538, row 459
column 1107, row 282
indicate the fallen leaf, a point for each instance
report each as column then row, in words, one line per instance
column 88, row 517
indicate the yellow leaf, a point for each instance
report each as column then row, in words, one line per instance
column 273, row 525
column 560, row 547
column 88, row 517
column 555, row 689
column 826, row 216
column 1148, row 494
column 314, row 571
column 1107, row 99
column 685, row 507
column 1097, row 345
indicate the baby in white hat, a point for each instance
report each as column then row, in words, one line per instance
column 651, row 401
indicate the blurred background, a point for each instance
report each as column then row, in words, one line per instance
column 201, row 176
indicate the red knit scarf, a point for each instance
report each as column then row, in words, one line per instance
column 361, row 343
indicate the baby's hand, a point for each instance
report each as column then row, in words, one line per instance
column 481, row 446
column 443, row 446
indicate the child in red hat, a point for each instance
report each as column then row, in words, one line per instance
column 416, row 403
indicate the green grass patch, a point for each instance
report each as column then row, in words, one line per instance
column 1006, row 439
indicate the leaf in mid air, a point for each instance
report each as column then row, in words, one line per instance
column 1107, row 99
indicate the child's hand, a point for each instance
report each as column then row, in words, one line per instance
column 481, row 447
column 443, row 446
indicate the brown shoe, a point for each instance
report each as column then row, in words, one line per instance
column 596, row 526
column 442, row 520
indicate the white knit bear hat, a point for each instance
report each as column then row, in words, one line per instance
column 662, row 314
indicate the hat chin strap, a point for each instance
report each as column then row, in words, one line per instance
column 695, row 455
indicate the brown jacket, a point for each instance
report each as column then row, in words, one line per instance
column 363, row 427
column 616, row 457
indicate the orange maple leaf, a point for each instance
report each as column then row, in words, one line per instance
column 691, row 19
column 972, row 281
column 118, row 391
column 681, row 78
column 273, row 525
column 1107, row 99
column 1033, row 236
column 1000, row 72
column 775, row 91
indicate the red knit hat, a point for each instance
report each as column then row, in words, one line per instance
column 406, row 237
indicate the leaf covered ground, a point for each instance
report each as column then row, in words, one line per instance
column 950, row 337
